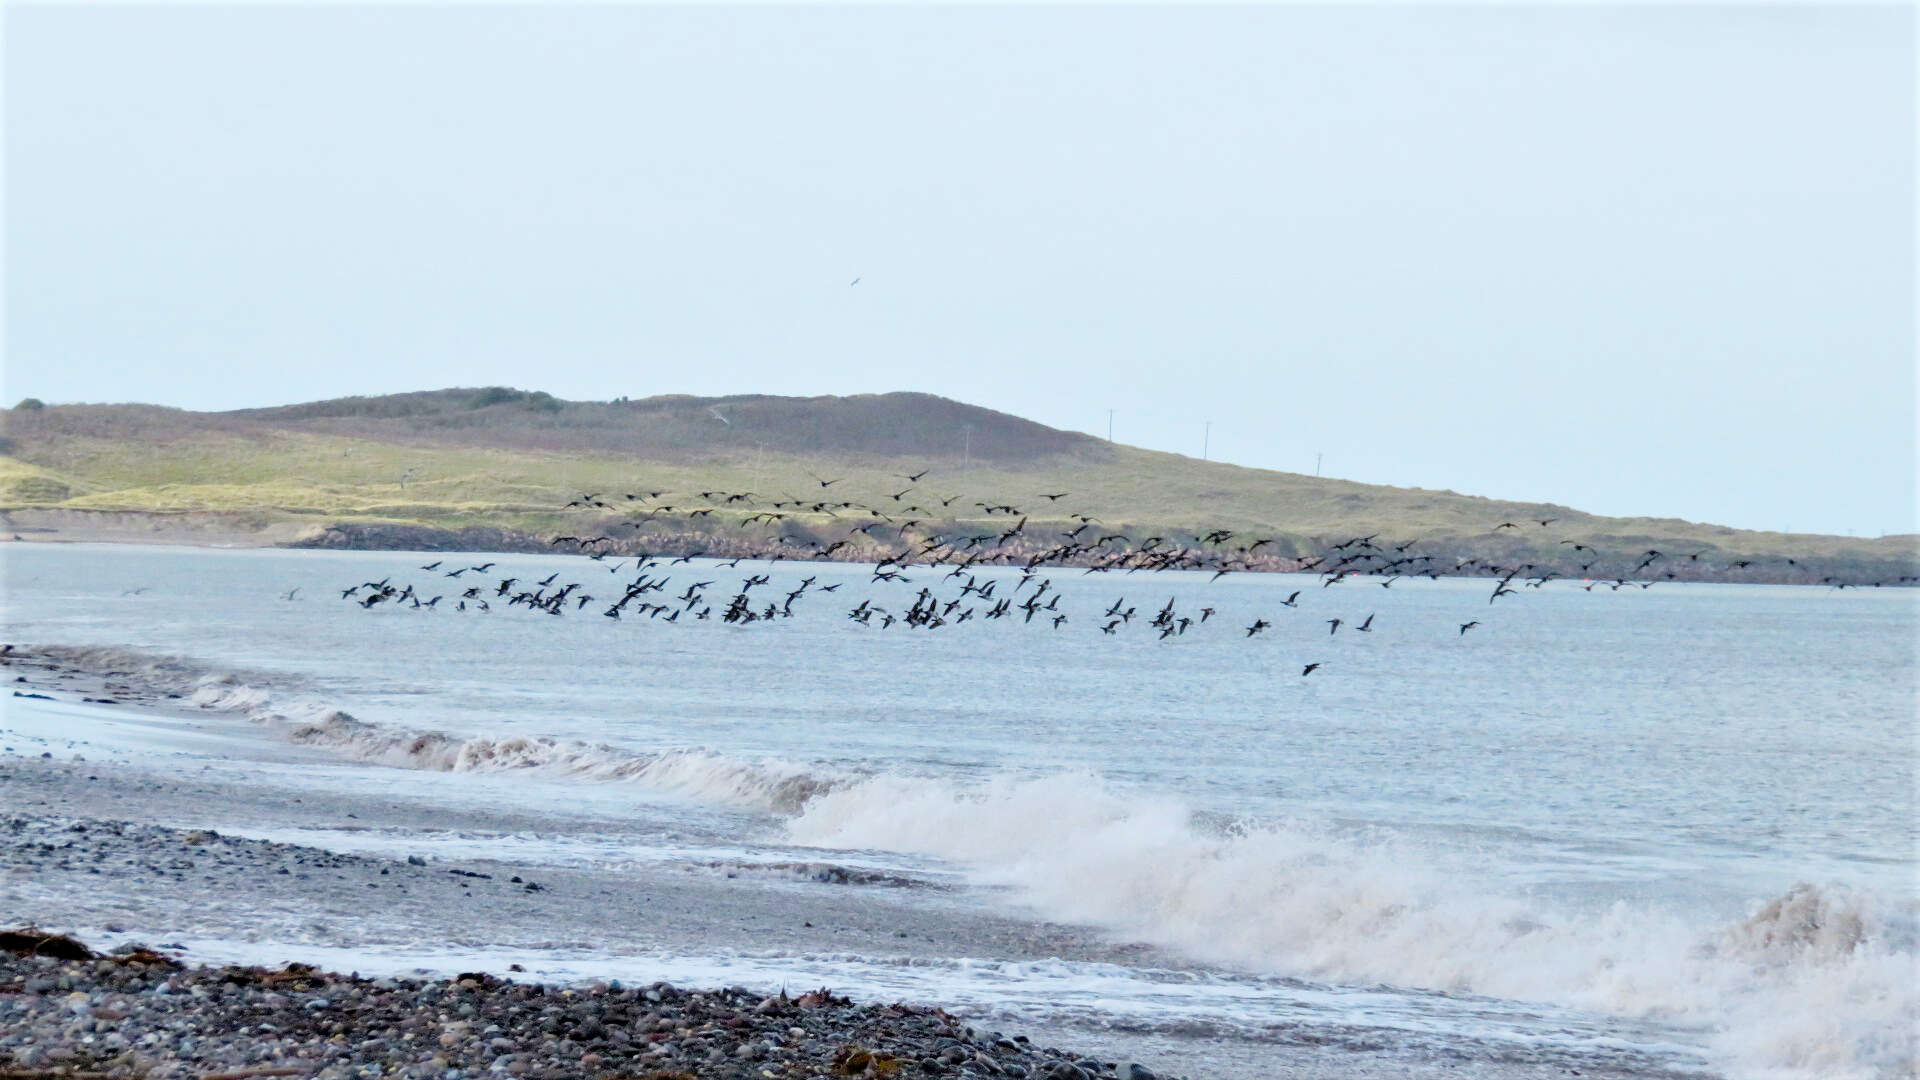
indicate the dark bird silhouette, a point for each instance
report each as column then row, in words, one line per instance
column 1466, row 626
column 1333, row 626
column 1308, row 670
column 1366, row 627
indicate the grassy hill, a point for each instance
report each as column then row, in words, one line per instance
column 446, row 467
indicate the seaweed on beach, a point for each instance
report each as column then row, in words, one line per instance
column 29, row 941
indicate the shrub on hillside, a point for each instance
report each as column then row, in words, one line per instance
column 537, row 400
column 37, row 489
column 494, row 395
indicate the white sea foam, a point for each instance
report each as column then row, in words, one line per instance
column 766, row 785
column 700, row 774
column 1818, row 982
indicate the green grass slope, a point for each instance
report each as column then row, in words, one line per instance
column 509, row 460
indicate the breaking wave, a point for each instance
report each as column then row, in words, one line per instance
column 1817, row 982
column 768, row 786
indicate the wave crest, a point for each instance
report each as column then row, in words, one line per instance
column 768, row 786
column 1816, row 982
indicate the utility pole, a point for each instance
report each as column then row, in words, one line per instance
column 967, row 459
column 1206, row 440
column 1109, row 425
column 1316, row 462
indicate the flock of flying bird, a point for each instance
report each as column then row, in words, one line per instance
column 939, row 561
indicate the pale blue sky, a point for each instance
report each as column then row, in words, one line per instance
column 1632, row 259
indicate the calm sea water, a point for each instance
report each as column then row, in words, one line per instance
column 1643, row 811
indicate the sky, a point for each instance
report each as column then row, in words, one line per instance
column 1631, row 259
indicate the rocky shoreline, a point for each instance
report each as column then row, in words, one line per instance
column 675, row 537
column 69, row 1012
column 113, row 853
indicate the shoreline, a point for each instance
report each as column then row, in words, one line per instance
column 105, row 850
column 70, row 1011
column 228, row 530
column 233, row 858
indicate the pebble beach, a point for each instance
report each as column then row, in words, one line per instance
column 67, row 1011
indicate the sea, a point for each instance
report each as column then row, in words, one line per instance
column 1631, row 831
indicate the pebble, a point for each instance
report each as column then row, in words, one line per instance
column 139, row 1013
